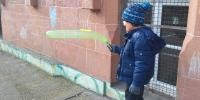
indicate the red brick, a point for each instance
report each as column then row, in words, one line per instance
column 114, row 32
column 40, row 26
column 114, row 65
column 17, row 8
column 50, row 2
column 97, row 18
column 36, row 43
column 79, row 3
column 39, row 11
column 99, row 65
column 42, row 3
column 9, row 29
column 69, row 17
column 16, row 1
column 89, row 44
column 69, row 24
column 83, row 18
column 193, row 84
column 111, row 14
column 49, row 48
column 180, row 88
column 188, row 88
column 71, row 55
column 68, row 3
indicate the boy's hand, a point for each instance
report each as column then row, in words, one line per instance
column 134, row 90
column 109, row 46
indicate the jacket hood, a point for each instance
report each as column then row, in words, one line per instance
column 156, row 42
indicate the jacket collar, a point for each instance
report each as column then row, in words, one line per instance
column 130, row 33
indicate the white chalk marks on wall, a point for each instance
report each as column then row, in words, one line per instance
column 53, row 16
column 24, row 30
column 194, row 66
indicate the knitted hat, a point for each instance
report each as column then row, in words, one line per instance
column 135, row 13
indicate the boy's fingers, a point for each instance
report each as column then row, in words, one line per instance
column 107, row 43
column 109, row 46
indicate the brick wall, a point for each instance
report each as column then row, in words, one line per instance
column 188, row 85
column 25, row 26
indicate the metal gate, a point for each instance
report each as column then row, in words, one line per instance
column 168, row 19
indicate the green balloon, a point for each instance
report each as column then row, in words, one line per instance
column 80, row 34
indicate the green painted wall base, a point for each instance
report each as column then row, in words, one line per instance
column 57, row 69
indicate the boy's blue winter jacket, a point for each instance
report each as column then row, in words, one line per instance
column 137, row 56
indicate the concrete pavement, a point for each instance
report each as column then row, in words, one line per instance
column 22, row 81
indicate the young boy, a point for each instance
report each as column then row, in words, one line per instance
column 137, row 55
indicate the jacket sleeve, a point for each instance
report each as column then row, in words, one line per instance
column 116, row 49
column 144, row 60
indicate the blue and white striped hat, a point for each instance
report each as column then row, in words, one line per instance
column 135, row 13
